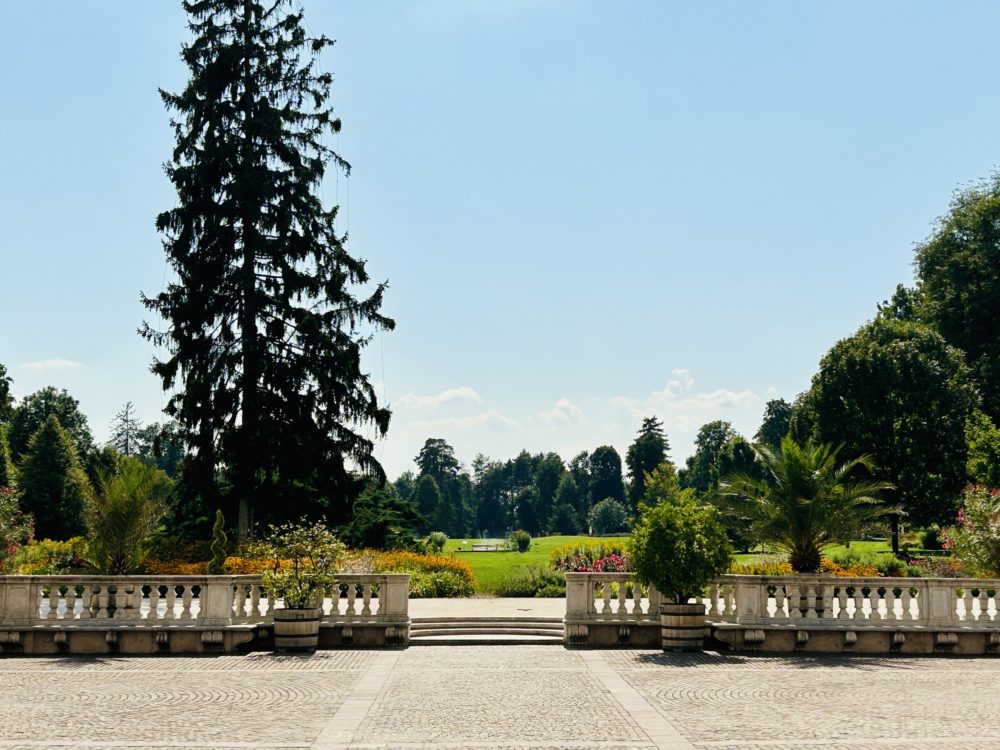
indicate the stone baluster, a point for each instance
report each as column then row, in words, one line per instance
column 53, row 613
column 794, row 595
column 352, row 592
column 713, row 599
column 842, row 613
column 622, row 610
column 128, row 608
column 102, row 602
column 154, row 602
column 890, row 603
column 171, row 613
column 254, row 596
column 637, row 600
column 967, row 603
column 70, row 602
column 187, row 596
column 366, row 594
column 984, row 605
column 269, row 607
column 906, row 602
column 731, row 599
column 873, row 602
column 859, row 603
column 780, row 598
column 605, row 598
column 811, row 613
column 86, row 601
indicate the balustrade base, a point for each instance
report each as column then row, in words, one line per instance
column 821, row 639
column 613, row 634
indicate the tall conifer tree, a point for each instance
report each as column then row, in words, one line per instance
column 266, row 321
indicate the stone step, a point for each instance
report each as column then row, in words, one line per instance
column 486, row 640
column 485, row 630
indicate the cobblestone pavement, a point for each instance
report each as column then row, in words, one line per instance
column 500, row 698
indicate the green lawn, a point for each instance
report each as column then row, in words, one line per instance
column 491, row 567
column 862, row 547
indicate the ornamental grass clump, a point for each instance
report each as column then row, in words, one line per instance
column 304, row 560
column 678, row 546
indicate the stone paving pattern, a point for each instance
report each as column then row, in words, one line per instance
column 500, row 698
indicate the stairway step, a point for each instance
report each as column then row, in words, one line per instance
column 485, row 640
column 422, row 620
column 416, row 633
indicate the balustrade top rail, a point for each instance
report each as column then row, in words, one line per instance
column 802, row 599
column 213, row 601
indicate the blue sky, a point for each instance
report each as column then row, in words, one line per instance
column 587, row 212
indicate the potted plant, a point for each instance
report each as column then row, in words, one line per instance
column 305, row 558
column 678, row 546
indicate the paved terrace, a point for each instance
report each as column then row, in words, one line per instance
column 490, row 697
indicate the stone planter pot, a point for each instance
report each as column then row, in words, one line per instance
column 683, row 626
column 296, row 630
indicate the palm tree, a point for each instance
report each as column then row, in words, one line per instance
column 806, row 501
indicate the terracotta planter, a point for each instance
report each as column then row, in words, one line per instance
column 296, row 630
column 683, row 626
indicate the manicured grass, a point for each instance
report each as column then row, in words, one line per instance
column 491, row 567
column 861, row 547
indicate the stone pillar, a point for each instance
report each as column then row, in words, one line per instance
column 17, row 603
column 217, row 600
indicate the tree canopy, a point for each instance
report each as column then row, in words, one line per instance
column 898, row 392
column 958, row 275
column 35, row 408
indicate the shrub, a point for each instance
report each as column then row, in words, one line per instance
column 175, row 548
column 15, row 527
column 174, row 567
column 48, row 557
column 122, row 516
column 975, row 539
column 582, row 557
column 531, row 580
column 217, row 564
column 931, row 537
column 608, row 517
column 435, row 542
column 438, row 584
column 520, row 540
column 679, row 546
column 304, row 561
column 762, row 568
column 413, row 563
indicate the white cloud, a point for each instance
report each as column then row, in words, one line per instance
column 491, row 421
column 681, row 407
column 563, row 414
column 462, row 394
column 50, row 364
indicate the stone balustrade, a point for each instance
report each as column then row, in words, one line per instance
column 800, row 612
column 226, row 610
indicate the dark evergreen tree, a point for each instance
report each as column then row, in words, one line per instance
column 125, row 429
column 6, row 397
column 647, row 452
column 161, row 445
column 569, row 494
column 383, row 520
column 51, row 484
column 525, row 503
column 6, row 462
column 266, row 320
